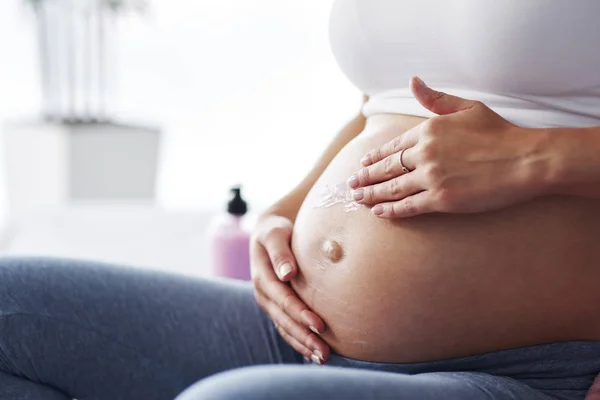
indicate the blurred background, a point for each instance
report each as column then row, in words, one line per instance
column 125, row 123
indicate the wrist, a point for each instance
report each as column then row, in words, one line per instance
column 536, row 168
column 281, row 209
column 563, row 159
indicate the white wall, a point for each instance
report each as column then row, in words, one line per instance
column 246, row 90
column 18, row 80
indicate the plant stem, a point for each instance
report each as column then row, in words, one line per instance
column 44, row 59
column 101, row 62
column 72, row 63
column 87, row 62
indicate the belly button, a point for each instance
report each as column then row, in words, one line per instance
column 333, row 250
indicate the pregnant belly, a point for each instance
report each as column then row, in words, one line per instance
column 440, row 286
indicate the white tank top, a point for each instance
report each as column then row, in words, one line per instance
column 534, row 62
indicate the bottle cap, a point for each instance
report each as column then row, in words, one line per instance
column 237, row 206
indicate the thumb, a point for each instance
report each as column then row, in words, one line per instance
column 438, row 102
column 277, row 244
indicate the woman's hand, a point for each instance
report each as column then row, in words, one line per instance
column 466, row 160
column 273, row 264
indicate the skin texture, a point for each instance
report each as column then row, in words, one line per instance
column 271, row 247
column 516, row 172
column 469, row 160
column 270, row 250
column 443, row 285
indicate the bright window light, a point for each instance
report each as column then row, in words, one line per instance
column 247, row 91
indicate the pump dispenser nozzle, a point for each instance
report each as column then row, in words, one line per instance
column 237, row 206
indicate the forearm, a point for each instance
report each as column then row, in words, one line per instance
column 570, row 160
column 289, row 205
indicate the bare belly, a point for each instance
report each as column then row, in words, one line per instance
column 440, row 286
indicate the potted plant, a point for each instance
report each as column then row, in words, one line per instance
column 74, row 55
column 78, row 150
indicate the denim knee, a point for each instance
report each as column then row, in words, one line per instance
column 252, row 383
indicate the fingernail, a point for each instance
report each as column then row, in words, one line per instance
column 316, row 359
column 378, row 210
column 420, row 81
column 353, row 181
column 312, row 328
column 359, row 194
column 319, row 355
column 306, row 359
column 366, row 160
column 285, row 270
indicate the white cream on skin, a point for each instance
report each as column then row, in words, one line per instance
column 338, row 194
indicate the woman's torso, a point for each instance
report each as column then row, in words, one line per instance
column 440, row 286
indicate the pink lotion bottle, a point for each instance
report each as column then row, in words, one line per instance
column 230, row 240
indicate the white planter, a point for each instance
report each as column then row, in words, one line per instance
column 56, row 164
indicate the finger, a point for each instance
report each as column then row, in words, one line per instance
column 308, row 339
column 261, row 268
column 267, row 283
column 386, row 169
column 394, row 189
column 296, row 345
column 277, row 246
column 283, row 321
column 287, row 300
column 406, row 140
column 410, row 206
column 438, row 102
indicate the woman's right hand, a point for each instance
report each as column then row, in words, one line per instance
column 273, row 266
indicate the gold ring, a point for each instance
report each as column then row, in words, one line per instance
column 404, row 169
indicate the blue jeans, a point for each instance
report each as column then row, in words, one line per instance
column 91, row 331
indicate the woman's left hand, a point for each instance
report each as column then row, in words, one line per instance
column 466, row 160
